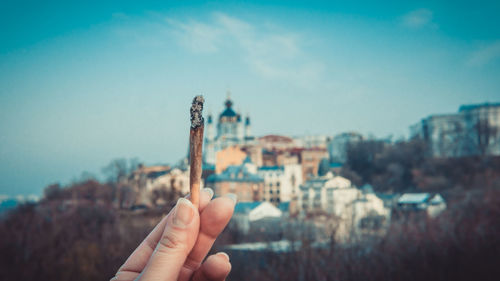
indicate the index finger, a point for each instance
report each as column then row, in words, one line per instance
column 213, row 220
column 139, row 258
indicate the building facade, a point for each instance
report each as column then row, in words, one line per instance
column 229, row 156
column 310, row 159
column 276, row 142
column 241, row 180
column 474, row 130
column 281, row 183
column 151, row 183
column 330, row 194
column 312, row 141
column 247, row 214
column 351, row 210
column 370, row 216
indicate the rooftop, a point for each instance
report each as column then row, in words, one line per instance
column 152, row 169
column 271, row 168
column 468, row 107
column 228, row 112
column 413, row 198
column 276, row 138
column 284, row 206
column 235, row 174
column 245, row 207
column 336, row 165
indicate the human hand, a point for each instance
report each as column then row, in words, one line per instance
column 176, row 247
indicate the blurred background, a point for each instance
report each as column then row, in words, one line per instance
column 362, row 138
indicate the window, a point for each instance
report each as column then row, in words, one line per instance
column 278, row 184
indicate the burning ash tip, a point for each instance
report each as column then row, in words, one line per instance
column 196, row 109
column 198, row 99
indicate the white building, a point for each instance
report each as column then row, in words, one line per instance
column 281, row 183
column 146, row 180
column 231, row 130
column 246, row 213
column 311, row 141
column 175, row 180
column 474, row 130
column 331, row 194
column 371, row 216
column 433, row 205
column 347, row 205
column 444, row 134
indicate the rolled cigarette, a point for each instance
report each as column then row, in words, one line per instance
column 195, row 148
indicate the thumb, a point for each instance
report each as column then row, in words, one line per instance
column 176, row 242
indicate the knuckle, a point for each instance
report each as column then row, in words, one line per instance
column 170, row 241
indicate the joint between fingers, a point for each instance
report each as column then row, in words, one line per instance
column 192, row 264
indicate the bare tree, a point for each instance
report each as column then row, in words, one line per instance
column 116, row 171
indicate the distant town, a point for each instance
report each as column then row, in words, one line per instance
column 277, row 177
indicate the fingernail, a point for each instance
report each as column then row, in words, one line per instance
column 209, row 191
column 233, row 197
column 224, row 254
column 183, row 214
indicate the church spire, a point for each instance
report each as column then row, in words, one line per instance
column 228, row 101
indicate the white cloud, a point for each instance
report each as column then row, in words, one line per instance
column 418, row 19
column 270, row 52
column 198, row 37
column 485, row 54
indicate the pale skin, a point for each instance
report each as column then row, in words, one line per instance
column 176, row 248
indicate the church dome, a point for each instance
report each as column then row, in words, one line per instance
column 229, row 115
column 228, row 112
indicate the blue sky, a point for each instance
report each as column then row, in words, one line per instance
column 82, row 84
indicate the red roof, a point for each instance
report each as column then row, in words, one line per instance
column 276, row 138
